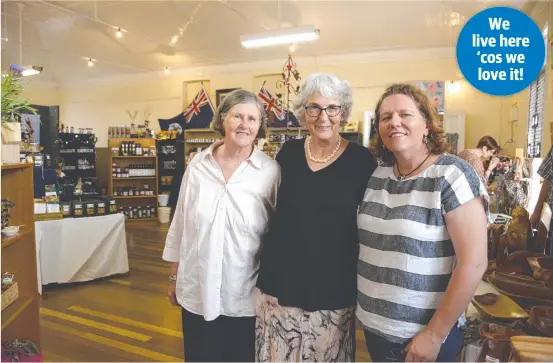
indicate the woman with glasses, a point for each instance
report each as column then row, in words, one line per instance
column 227, row 194
column 487, row 147
column 307, row 281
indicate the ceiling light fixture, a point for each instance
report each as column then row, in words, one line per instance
column 26, row 70
column 90, row 62
column 166, row 71
column 292, row 48
column 119, row 33
column 453, row 87
column 280, row 36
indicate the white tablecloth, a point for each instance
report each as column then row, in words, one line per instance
column 81, row 249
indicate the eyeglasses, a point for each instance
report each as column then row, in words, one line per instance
column 331, row 111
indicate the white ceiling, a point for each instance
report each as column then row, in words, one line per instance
column 59, row 34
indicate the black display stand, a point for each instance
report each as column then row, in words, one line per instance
column 77, row 160
column 354, row 137
column 170, row 158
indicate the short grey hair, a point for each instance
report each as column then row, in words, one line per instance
column 239, row 97
column 327, row 85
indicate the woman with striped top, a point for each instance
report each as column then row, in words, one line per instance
column 422, row 233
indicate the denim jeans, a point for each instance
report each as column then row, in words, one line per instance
column 381, row 350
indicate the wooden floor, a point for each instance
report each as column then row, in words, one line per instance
column 121, row 318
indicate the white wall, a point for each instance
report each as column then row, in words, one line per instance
column 100, row 106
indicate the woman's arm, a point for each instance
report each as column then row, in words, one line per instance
column 467, row 226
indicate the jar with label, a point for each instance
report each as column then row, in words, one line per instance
column 101, row 208
column 113, row 206
column 77, row 209
column 90, row 208
column 66, row 209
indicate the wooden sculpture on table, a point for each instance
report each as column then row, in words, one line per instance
column 515, row 238
column 509, row 247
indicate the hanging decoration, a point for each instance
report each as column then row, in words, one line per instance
column 290, row 85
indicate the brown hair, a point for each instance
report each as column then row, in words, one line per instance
column 489, row 142
column 238, row 97
column 437, row 141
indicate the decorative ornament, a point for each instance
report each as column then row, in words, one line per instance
column 290, row 76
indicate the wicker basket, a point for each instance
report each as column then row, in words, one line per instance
column 10, row 295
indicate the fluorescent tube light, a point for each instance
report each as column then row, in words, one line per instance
column 280, row 36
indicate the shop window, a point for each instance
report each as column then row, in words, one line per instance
column 536, row 108
column 535, row 116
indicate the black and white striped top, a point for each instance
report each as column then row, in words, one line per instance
column 406, row 255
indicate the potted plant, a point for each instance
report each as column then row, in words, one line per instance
column 13, row 107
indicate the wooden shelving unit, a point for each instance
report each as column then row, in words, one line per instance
column 21, row 318
column 125, row 161
column 199, row 138
column 274, row 137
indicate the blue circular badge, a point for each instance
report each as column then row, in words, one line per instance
column 500, row 51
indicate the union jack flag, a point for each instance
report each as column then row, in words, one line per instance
column 195, row 107
column 270, row 103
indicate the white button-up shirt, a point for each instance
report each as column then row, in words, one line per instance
column 216, row 233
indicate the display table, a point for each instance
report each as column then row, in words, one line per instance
column 81, row 249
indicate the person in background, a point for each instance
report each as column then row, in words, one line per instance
column 307, row 279
column 226, row 197
column 176, row 184
column 422, row 233
column 546, row 196
column 487, row 147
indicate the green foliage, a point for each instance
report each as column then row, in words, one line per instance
column 12, row 106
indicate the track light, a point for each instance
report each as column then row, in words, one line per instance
column 27, row 70
column 453, row 87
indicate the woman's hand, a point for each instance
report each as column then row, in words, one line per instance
column 171, row 293
column 424, row 347
column 493, row 163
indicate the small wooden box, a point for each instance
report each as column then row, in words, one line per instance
column 10, row 295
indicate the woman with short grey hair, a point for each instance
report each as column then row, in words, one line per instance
column 307, row 289
column 226, row 196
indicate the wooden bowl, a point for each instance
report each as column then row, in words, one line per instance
column 498, row 332
column 541, row 317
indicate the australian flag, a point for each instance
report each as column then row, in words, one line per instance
column 276, row 114
column 271, row 104
column 198, row 115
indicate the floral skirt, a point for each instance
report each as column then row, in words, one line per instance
column 288, row 334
